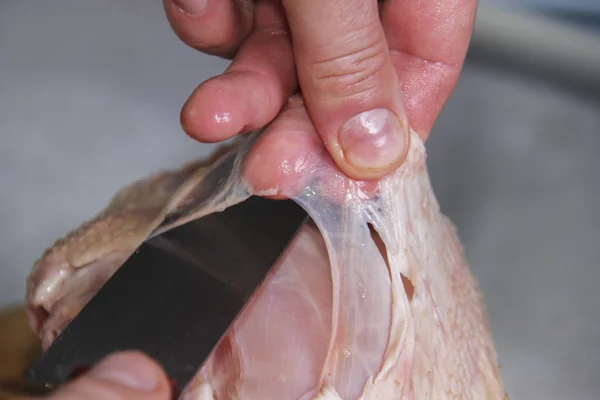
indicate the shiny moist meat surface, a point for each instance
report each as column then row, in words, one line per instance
column 373, row 301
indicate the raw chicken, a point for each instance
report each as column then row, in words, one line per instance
column 373, row 301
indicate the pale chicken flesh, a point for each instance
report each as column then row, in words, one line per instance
column 373, row 301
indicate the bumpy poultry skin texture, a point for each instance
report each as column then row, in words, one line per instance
column 408, row 323
column 70, row 272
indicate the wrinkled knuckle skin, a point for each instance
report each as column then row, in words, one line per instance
column 356, row 71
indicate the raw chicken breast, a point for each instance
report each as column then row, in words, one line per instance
column 373, row 301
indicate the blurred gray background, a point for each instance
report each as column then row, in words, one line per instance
column 90, row 93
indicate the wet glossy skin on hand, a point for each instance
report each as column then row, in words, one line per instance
column 346, row 57
column 299, row 150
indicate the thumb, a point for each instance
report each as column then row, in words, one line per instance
column 349, row 84
column 122, row 376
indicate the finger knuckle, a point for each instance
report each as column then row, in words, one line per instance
column 354, row 70
column 222, row 42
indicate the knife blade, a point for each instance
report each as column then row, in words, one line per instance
column 178, row 294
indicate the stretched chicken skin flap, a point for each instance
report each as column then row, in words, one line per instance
column 373, row 301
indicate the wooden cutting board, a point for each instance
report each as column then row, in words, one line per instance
column 19, row 347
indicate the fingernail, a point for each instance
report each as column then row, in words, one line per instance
column 192, row 7
column 129, row 370
column 373, row 139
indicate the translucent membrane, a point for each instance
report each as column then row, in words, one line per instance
column 377, row 303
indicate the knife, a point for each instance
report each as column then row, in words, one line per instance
column 178, row 294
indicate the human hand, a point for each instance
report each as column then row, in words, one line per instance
column 400, row 59
column 122, row 376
